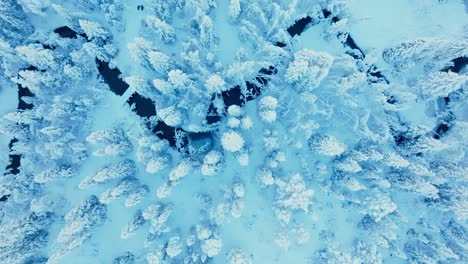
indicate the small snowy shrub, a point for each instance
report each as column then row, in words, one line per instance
column 235, row 111
column 309, row 68
column 238, row 256
column 212, row 163
column 157, row 164
column 232, row 141
column 378, row 206
column 266, row 109
column 162, row 30
column 49, row 175
column 133, row 226
column 171, row 116
column 215, row 84
column 326, row 145
column 212, row 246
column 120, row 170
column 124, row 187
column 181, row 170
column 93, row 30
column 291, row 196
column 174, row 246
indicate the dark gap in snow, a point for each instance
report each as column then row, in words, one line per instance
column 112, row 77
column 261, row 80
column 326, row 13
column 66, row 32
column 140, row 8
column 15, row 160
column 212, row 116
column 356, row 52
column 163, row 131
column 201, row 140
column 199, row 135
column 32, row 68
column 440, row 130
column 352, row 45
column 400, row 138
column 24, row 91
column 445, row 124
column 233, row 96
column 458, row 64
column 391, row 99
column 45, row 46
column 299, row 26
column 280, row 44
column 335, row 19
column 270, row 71
column 254, row 90
column 374, row 72
column 5, row 197
column 144, row 107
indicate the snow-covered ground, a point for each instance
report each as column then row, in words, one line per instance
column 327, row 164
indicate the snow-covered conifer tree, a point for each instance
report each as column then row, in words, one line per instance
column 162, row 30
column 308, row 69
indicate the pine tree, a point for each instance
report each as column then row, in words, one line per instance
column 308, row 69
column 162, row 30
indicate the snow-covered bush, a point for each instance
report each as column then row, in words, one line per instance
column 127, row 258
column 93, row 30
column 136, row 196
column 308, row 69
column 212, row 163
column 171, row 116
column 232, row 141
column 326, row 145
column 378, row 206
column 49, row 175
column 174, row 246
column 81, row 222
column 140, row 85
column 160, row 61
column 162, row 30
column 158, row 215
column 157, row 164
column 423, row 51
column 215, row 84
column 211, row 246
column 266, row 109
column 36, row 55
column 125, row 186
column 133, row 226
column 120, row 170
column 292, row 195
column 180, row 171
column 441, row 84
column 114, row 140
column 238, row 256
column 25, row 238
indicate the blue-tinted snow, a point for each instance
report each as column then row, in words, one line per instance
column 358, row 160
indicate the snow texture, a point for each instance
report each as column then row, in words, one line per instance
column 233, row 131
